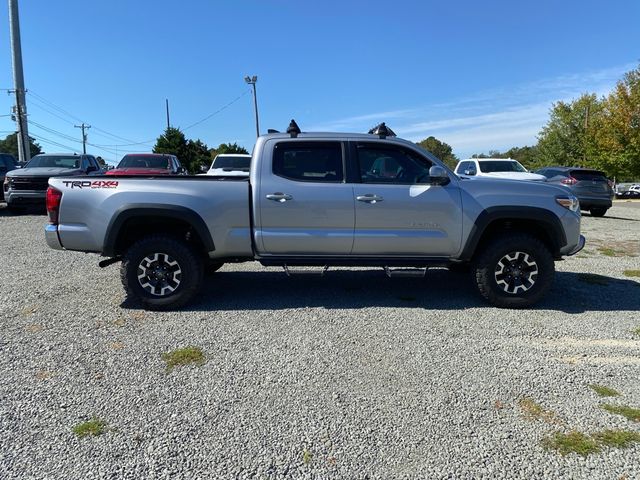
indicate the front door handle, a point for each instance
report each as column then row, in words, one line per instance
column 279, row 197
column 369, row 198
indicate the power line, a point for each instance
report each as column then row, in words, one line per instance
column 217, row 111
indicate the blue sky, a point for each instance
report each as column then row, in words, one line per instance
column 478, row 75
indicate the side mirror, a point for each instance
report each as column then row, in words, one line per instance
column 438, row 175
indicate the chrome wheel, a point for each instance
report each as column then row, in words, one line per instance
column 159, row 274
column 516, row 272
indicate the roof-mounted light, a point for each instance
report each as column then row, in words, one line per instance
column 382, row 131
column 293, row 129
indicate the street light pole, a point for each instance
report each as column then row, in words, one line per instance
column 252, row 81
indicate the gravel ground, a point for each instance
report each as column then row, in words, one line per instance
column 348, row 376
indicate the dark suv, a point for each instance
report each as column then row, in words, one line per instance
column 593, row 189
column 7, row 163
column 28, row 185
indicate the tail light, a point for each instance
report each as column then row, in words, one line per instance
column 569, row 181
column 53, row 204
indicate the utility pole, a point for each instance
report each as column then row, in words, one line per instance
column 24, row 149
column 586, row 128
column 252, row 81
column 84, row 136
column 167, row 104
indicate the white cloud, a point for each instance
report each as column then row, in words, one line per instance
column 493, row 119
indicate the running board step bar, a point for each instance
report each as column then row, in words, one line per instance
column 405, row 272
column 305, row 271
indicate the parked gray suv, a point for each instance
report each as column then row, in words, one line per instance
column 592, row 187
column 28, row 185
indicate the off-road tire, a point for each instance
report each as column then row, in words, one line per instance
column 598, row 212
column 186, row 277
column 509, row 253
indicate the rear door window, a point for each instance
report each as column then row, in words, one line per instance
column 309, row 161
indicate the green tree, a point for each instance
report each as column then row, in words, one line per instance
column 568, row 138
column 10, row 145
column 191, row 153
column 227, row 148
column 617, row 130
column 440, row 149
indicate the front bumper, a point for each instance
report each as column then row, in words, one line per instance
column 579, row 247
column 23, row 197
column 51, row 235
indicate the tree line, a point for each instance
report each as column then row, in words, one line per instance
column 600, row 133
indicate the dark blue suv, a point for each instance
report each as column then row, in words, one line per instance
column 7, row 163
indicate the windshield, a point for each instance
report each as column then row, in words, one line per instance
column 234, row 163
column 144, row 161
column 500, row 166
column 589, row 175
column 56, row 161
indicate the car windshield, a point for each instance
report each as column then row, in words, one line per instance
column 234, row 163
column 500, row 166
column 144, row 161
column 55, row 161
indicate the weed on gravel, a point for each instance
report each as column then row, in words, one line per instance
column 307, row 456
column 582, row 444
column 636, row 331
column 627, row 412
column 91, row 428
column 632, row 273
column 603, row 391
column 183, row 356
column 534, row 411
column 593, row 279
column 572, row 442
column 617, row 438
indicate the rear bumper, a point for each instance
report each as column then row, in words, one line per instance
column 588, row 202
column 51, row 235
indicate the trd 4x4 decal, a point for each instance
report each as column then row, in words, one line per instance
column 90, row 184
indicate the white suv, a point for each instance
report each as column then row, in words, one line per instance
column 507, row 168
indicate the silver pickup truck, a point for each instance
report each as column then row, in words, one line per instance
column 320, row 199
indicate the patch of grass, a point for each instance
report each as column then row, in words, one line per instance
column 617, row 438
column 632, row 273
column 604, row 391
column 636, row 331
column 183, row 356
column 307, row 456
column 92, row 428
column 593, row 279
column 572, row 442
column 582, row 444
column 533, row 411
column 608, row 251
column 627, row 412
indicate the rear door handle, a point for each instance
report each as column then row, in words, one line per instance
column 369, row 198
column 279, row 197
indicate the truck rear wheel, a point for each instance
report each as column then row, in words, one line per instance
column 162, row 272
column 514, row 271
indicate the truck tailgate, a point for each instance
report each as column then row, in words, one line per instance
column 88, row 209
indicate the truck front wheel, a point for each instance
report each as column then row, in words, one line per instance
column 162, row 272
column 514, row 271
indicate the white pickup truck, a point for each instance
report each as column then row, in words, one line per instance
column 319, row 199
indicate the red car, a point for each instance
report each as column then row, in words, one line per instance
column 148, row 164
